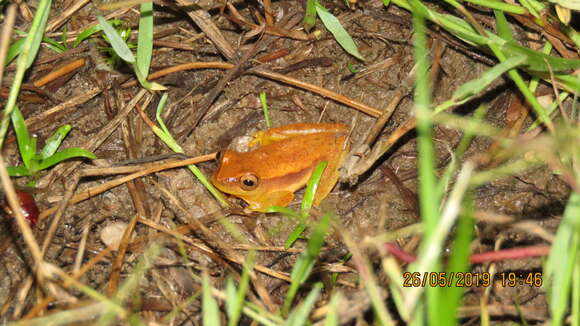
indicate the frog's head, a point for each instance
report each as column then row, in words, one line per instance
column 239, row 176
column 233, row 177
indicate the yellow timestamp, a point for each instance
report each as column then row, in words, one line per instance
column 471, row 279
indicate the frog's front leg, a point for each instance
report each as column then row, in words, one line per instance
column 274, row 198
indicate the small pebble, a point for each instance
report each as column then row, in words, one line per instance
column 113, row 233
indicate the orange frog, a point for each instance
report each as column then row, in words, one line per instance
column 281, row 162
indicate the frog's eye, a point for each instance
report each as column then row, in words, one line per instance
column 249, row 181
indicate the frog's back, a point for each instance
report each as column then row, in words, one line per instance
column 292, row 155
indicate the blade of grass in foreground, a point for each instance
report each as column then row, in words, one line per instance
column 563, row 260
column 428, row 200
column 307, row 203
column 299, row 315
column 25, row 60
column 311, row 188
column 210, row 307
column 129, row 286
column 431, row 248
column 305, row 262
column 235, row 300
column 332, row 316
column 458, row 263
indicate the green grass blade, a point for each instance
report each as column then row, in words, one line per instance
column 65, row 154
column 145, row 48
column 305, row 262
column 53, row 143
column 231, row 294
column 534, row 7
column 18, row 171
column 458, row 263
column 310, row 15
column 575, row 308
column 265, row 109
column 299, row 316
column 427, row 180
column 569, row 82
column 311, row 187
column 474, row 87
column 562, row 260
column 572, row 34
column 428, row 200
column 503, row 28
column 89, row 31
column 468, row 135
column 318, row 235
column 25, row 142
column 119, row 46
column 129, row 288
column 307, row 201
column 500, row 5
column 210, row 307
column 236, row 308
column 295, row 235
column 145, row 37
column 25, row 59
column 340, row 34
column 54, row 45
column 14, row 50
column 38, row 32
column 332, row 317
column 284, row 210
column 163, row 133
column 33, row 161
column 538, row 61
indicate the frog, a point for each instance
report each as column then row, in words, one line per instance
column 280, row 162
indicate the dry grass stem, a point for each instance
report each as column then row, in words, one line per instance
column 7, row 28
column 65, row 15
column 88, row 193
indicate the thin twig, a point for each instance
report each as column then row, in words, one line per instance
column 94, row 142
column 70, row 67
column 5, row 39
column 65, row 14
column 21, row 220
column 203, row 20
column 88, row 193
column 270, row 75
